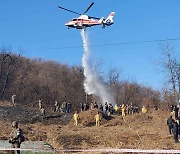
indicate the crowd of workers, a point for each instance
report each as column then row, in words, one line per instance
column 16, row 136
column 108, row 110
column 173, row 123
column 58, row 107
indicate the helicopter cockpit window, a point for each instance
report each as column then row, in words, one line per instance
column 74, row 19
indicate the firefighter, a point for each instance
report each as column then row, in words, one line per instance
column 13, row 100
column 76, row 118
column 43, row 113
column 144, row 110
column 56, row 106
column 106, row 107
column 40, row 104
column 116, row 108
column 170, row 122
column 123, row 109
column 97, row 119
column 101, row 107
column 175, row 131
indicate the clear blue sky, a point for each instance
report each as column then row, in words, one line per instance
column 36, row 29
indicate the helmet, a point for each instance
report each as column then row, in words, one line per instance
column 14, row 124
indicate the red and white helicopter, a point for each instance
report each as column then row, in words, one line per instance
column 84, row 21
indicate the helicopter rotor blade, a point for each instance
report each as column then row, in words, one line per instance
column 89, row 7
column 94, row 17
column 68, row 10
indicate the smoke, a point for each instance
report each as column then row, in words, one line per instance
column 93, row 84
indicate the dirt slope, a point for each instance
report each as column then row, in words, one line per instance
column 147, row 131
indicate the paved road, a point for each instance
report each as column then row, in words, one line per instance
column 38, row 146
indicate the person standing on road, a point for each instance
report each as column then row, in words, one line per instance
column 16, row 137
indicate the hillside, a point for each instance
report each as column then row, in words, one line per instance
column 34, row 79
column 147, row 131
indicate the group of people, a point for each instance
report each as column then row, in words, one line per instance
column 109, row 109
column 173, row 123
column 97, row 118
column 65, row 107
column 58, row 107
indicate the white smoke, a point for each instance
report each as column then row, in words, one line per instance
column 93, row 84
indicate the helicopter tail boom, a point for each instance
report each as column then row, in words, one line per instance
column 109, row 21
column 101, row 20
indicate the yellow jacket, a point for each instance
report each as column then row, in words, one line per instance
column 97, row 117
column 76, row 116
column 144, row 110
column 116, row 108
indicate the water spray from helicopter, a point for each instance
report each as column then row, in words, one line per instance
column 93, row 84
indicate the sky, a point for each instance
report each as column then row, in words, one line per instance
column 36, row 28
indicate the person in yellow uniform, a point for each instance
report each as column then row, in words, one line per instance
column 76, row 117
column 98, row 119
column 116, row 108
column 144, row 110
column 123, row 109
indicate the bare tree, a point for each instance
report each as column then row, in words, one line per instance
column 113, row 80
column 5, row 63
column 171, row 67
column 176, row 65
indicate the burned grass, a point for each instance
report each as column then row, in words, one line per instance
column 144, row 131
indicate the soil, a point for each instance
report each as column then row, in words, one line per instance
column 138, row 131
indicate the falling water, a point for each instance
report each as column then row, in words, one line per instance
column 93, row 84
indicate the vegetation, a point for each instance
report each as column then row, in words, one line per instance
column 170, row 65
column 34, row 79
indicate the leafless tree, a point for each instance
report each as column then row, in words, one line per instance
column 171, row 67
column 113, row 79
column 5, row 63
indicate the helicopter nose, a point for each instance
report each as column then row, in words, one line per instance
column 68, row 23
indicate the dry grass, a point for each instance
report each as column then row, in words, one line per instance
column 147, row 131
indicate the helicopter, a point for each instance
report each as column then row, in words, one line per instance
column 84, row 21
